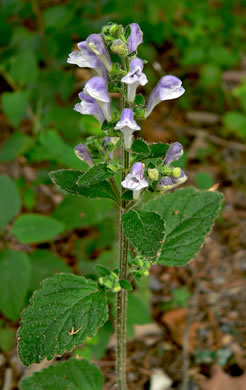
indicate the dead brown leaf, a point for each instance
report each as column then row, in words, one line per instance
column 176, row 322
column 222, row 381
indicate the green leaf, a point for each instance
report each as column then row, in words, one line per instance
column 126, row 285
column 73, row 374
column 24, row 68
column 127, row 195
column 7, row 339
column 140, row 147
column 15, row 271
column 203, row 180
column 95, row 175
column 45, row 264
column 75, row 211
column 61, row 152
column 101, row 270
column 9, row 200
column 63, row 313
column 66, row 180
column 17, row 144
column 15, row 105
column 158, row 150
column 145, row 151
column 31, row 228
column 146, row 231
column 139, row 100
column 189, row 215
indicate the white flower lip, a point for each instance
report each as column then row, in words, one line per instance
column 134, row 78
column 135, row 180
column 85, row 58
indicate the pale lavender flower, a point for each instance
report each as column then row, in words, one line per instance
column 134, row 78
column 82, row 153
column 135, row 180
column 96, row 44
column 169, row 87
column 169, row 182
column 85, row 58
column 174, row 152
column 89, row 106
column 127, row 125
column 165, row 184
column 96, row 87
column 135, row 38
column 179, row 180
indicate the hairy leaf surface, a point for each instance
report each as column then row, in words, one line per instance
column 146, row 231
column 73, row 374
column 189, row 215
column 63, row 312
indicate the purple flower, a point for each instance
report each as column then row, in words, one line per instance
column 135, row 38
column 96, row 44
column 89, row 106
column 96, row 87
column 127, row 126
column 168, row 183
column 169, row 87
column 82, row 153
column 134, row 78
column 135, row 180
column 174, row 152
column 85, row 58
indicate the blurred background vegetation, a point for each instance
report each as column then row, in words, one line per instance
column 42, row 230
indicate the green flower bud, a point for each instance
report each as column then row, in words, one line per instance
column 153, row 174
column 147, row 264
column 114, row 30
column 113, row 276
column 116, row 287
column 119, row 47
column 139, row 263
column 108, row 284
column 176, row 172
column 166, row 170
column 101, row 281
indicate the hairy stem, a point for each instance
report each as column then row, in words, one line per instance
column 121, row 299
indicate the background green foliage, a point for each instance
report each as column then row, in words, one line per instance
column 199, row 39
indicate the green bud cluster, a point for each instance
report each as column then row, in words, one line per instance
column 115, row 39
column 111, row 282
column 139, row 267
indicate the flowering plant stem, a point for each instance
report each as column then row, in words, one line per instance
column 121, row 298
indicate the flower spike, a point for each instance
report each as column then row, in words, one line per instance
column 89, row 106
column 169, row 87
column 127, row 126
column 85, row 58
column 135, row 180
column 135, row 38
column 96, row 87
column 82, row 153
column 96, row 44
column 134, row 78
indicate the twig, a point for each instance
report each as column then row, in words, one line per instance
column 211, row 137
column 186, row 336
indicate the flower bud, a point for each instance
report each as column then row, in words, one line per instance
column 119, row 47
column 101, row 281
column 108, row 283
column 116, row 288
column 153, row 173
column 176, row 172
